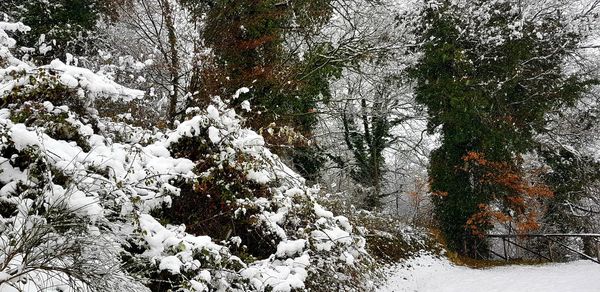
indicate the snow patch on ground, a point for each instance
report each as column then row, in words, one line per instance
column 430, row 274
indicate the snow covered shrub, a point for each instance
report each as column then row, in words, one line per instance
column 392, row 241
column 389, row 240
column 87, row 205
column 245, row 197
column 54, row 228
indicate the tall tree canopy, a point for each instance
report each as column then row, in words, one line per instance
column 265, row 46
column 488, row 75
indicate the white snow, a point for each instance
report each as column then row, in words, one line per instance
column 261, row 177
column 430, row 274
column 241, row 91
column 246, row 105
column 319, row 211
column 44, row 49
column 290, row 248
column 326, row 239
column 81, row 204
column 213, row 112
column 23, row 137
column 283, row 276
column 197, row 286
column 9, row 26
column 171, row 264
column 214, row 135
column 69, row 81
column 95, row 84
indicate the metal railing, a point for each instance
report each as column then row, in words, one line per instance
column 551, row 239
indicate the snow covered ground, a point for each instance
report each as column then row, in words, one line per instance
column 429, row 274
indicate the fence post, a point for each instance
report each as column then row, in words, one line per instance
column 550, row 249
column 598, row 249
column 504, row 246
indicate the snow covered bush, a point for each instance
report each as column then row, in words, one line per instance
column 390, row 239
column 204, row 207
column 244, row 197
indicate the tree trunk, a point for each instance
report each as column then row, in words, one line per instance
column 174, row 58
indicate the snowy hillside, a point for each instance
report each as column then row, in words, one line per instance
column 84, row 207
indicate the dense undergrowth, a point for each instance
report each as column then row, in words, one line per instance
column 88, row 202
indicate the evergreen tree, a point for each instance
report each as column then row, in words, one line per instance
column 57, row 27
column 575, row 173
column 488, row 76
column 250, row 43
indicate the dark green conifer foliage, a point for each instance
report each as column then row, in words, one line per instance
column 67, row 25
column 573, row 178
column 248, row 39
column 570, row 178
column 487, row 89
